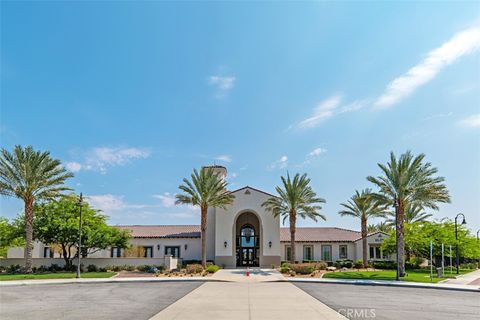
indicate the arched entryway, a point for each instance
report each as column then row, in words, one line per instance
column 247, row 240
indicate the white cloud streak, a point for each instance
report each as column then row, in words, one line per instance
column 322, row 112
column 280, row 163
column 462, row 43
column 101, row 158
column 224, row 158
column 472, row 121
column 222, row 84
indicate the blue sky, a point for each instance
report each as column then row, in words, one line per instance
column 131, row 96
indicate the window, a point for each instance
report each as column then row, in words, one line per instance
column 326, row 252
column 308, row 253
column 174, row 251
column 372, row 252
column 115, row 252
column 47, row 252
column 148, row 252
column 377, row 253
column 343, row 253
column 288, row 253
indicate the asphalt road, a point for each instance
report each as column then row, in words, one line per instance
column 91, row 301
column 395, row 303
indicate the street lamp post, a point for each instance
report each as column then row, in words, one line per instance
column 395, row 205
column 79, row 250
column 456, row 239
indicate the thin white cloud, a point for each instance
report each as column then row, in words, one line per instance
column 167, row 199
column 110, row 203
column 101, row 158
column 315, row 153
column 280, row 163
column 73, row 166
column 224, row 158
column 222, row 84
column 462, row 43
column 472, row 121
column 323, row 111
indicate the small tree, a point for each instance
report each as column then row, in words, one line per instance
column 57, row 223
column 10, row 235
column 296, row 198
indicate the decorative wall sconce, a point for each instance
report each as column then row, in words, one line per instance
column 269, row 244
column 225, row 244
column 158, row 247
column 186, row 246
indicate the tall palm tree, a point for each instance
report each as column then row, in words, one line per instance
column 296, row 198
column 413, row 213
column 408, row 180
column 31, row 176
column 206, row 189
column 363, row 206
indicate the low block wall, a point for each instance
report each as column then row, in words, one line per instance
column 99, row 262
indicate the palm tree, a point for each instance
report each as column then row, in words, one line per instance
column 413, row 213
column 408, row 180
column 362, row 205
column 295, row 198
column 206, row 189
column 381, row 226
column 31, row 176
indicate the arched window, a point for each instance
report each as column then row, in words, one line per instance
column 247, row 233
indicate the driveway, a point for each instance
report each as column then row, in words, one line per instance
column 139, row 300
column 395, row 303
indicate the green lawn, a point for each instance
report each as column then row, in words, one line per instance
column 57, row 275
column 412, row 275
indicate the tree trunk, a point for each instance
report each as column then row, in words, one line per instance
column 203, row 228
column 65, row 257
column 293, row 229
column 400, row 239
column 364, row 241
column 28, row 234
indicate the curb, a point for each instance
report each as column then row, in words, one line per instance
column 387, row 284
column 110, row 280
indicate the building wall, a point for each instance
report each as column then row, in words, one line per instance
column 225, row 221
column 192, row 252
column 374, row 240
column 317, row 250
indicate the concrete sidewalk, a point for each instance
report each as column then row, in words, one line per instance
column 472, row 278
column 248, row 300
column 444, row 286
column 101, row 280
column 256, row 275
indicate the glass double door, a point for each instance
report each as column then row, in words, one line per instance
column 247, row 257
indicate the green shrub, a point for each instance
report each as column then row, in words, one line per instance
column 14, row 268
column 194, row 268
column 92, row 268
column 344, row 263
column 302, row 268
column 102, row 270
column 285, row 269
column 55, row 267
column 358, row 264
column 212, row 268
column 187, row 262
column 383, row 264
column 284, row 264
column 471, row 266
column 129, row 268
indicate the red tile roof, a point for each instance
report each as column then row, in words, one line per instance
column 320, row 234
column 303, row 234
column 164, row 231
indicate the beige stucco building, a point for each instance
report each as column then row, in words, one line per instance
column 244, row 234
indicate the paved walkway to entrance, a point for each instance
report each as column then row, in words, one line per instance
column 256, row 275
column 252, row 298
column 472, row 278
